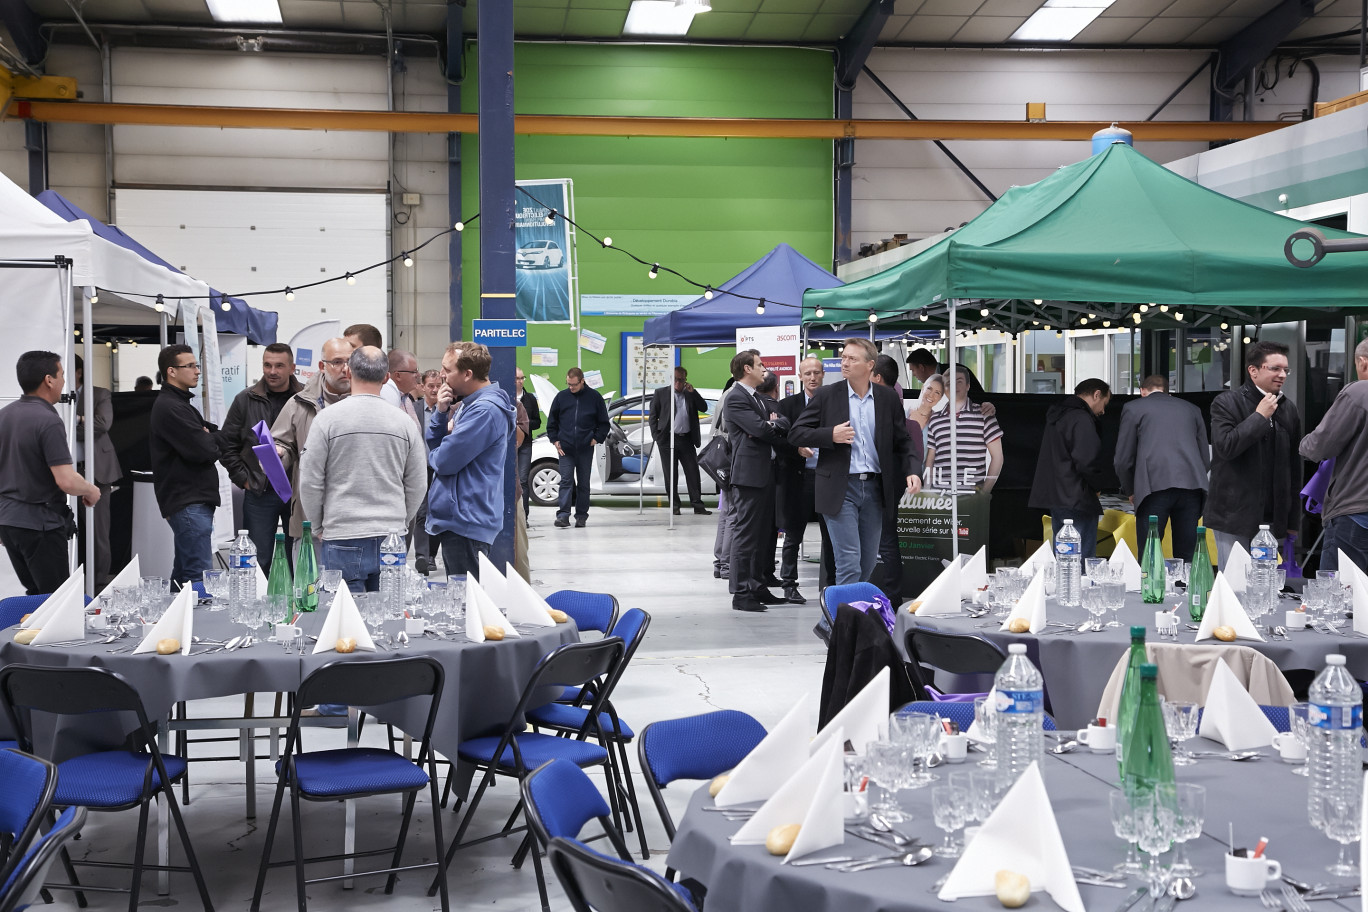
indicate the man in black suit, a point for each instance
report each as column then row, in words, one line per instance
column 752, row 431
column 797, row 471
column 674, row 426
column 865, row 462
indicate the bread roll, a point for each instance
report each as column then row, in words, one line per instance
column 24, row 637
column 346, row 644
column 24, row 620
column 560, row 617
column 1013, row 889
column 1224, row 634
column 1019, row 625
column 168, row 646
column 780, row 839
column 493, row 633
column 913, row 606
column 716, row 785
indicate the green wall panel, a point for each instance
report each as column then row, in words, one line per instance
column 707, row 207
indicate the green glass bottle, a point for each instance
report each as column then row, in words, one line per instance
column 278, row 583
column 1152, row 566
column 306, row 573
column 1200, row 578
column 1149, row 763
column 1130, row 696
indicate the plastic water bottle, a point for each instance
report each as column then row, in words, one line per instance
column 1336, row 722
column 1069, row 565
column 242, row 564
column 393, row 557
column 1263, row 557
column 1020, row 715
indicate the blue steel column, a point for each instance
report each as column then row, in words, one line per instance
column 455, row 67
column 498, row 282
column 843, row 165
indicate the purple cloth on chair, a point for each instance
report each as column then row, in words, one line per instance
column 880, row 608
column 939, row 697
column 270, row 462
column 1313, row 495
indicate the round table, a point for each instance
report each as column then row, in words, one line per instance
column 1076, row 667
column 749, row 879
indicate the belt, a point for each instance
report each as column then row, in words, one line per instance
column 867, row 476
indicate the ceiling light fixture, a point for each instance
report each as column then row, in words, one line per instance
column 1060, row 20
column 697, row 6
column 245, row 10
column 658, row 17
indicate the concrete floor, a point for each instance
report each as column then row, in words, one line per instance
column 698, row 655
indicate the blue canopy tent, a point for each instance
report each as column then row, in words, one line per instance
column 259, row 326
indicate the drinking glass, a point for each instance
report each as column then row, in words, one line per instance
column 154, row 592
column 1175, row 572
column 926, row 732
column 949, row 808
column 1096, row 568
column 1125, row 827
column 1314, row 596
column 1114, row 594
column 1327, row 574
column 1156, row 823
column 1091, row 595
column 330, row 580
column 456, row 591
column 1301, row 727
column 216, row 587
column 1190, row 805
column 1343, row 822
column 964, row 779
column 985, row 728
column 276, row 608
column 983, row 792
column 1180, row 723
column 857, row 800
column 889, row 766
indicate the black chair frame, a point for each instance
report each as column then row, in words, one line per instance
column 12, row 851
column 25, row 878
column 534, row 822
column 25, row 689
column 357, row 683
column 953, row 653
column 595, row 883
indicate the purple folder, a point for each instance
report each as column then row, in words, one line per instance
column 270, row 462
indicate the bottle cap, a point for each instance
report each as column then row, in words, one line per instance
column 1149, row 672
column 1201, row 531
column 1154, row 519
column 1137, row 632
column 1020, row 649
column 1333, row 658
column 1263, row 527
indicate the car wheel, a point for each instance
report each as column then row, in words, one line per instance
column 544, row 479
column 546, row 262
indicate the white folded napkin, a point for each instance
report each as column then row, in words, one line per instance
column 942, row 597
column 127, row 578
column 1231, row 716
column 343, row 620
column 1030, row 606
column 863, row 719
column 62, row 617
column 523, row 604
column 1223, row 609
column 974, row 574
column 262, row 585
column 177, row 624
column 1122, row 560
column 495, row 586
column 771, row 762
column 481, row 613
column 812, row 798
column 1042, row 559
column 1021, row 835
column 1237, row 567
column 1351, row 576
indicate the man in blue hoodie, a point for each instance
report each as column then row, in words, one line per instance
column 576, row 422
column 467, row 453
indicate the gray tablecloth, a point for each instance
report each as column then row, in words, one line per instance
column 1076, row 668
column 482, row 687
column 749, row 879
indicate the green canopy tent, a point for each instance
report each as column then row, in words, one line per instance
column 1101, row 240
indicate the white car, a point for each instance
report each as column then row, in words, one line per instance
column 617, row 461
column 546, row 254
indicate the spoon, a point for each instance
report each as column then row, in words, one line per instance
column 911, row 859
column 1065, row 747
column 1182, row 888
column 232, row 644
column 879, row 824
column 1280, row 633
column 403, row 638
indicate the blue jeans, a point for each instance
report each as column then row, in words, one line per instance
column 575, row 466
column 357, row 558
column 1085, row 521
column 1343, row 534
column 856, row 529
column 461, row 554
column 192, row 530
column 262, row 513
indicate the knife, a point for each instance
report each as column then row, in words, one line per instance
column 886, row 843
column 1165, row 903
column 1134, row 897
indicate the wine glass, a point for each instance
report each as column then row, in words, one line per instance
column 1155, row 826
column 919, row 733
column 1096, row 568
column 1091, row 595
column 330, row 580
column 889, row 765
column 1114, row 595
column 1190, row 805
column 216, row 587
column 1125, row 826
column 1175, row 572
column 949, row 808
column 1180, row 723
column 1301, row 727
column 985, row 728
column 1343, row 823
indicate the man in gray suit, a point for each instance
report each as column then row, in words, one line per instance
column 1162, row 459
column 107, row 468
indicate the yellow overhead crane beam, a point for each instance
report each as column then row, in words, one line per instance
column 570, row 125
column 13, row 86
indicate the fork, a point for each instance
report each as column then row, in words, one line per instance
column 1294, row 900
column 1270, row 900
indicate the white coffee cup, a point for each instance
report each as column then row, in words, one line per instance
column 1289, row 747
column 1296, row 620
column 96, row 622
column 1249, row 876
column 285, row 633
column 414, row 626
column 954, row 747
column 1100, row 739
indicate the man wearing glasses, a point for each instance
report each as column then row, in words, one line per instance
column 184, row 448
column 403, row 383
column 1255, row 466
column 290, row 431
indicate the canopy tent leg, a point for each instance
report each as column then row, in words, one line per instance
column 671, row 473
column 165, row 329
column 953, row 381
column 641, row 467
column 88, row 402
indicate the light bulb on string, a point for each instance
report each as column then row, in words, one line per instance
column 134, row 342
column 1083, row 321
column 923, row 317
column 408, row 260
column 160, row 306
column 114, row 348
column 819, row 313
column 289, row 293
column 1247, row 340
column 1092, row 316
column 1047, row 327
column 654, row 271
column 351, row 279
column 224, row 304
column 760, row 308
column 551, row 217
column 707, row 293
column 459, row 226
column 1136, row 318
column 1144, row 308
column 983, row 311
column 95, row 297
column 1163, row 308
column 873, row 317
column 1178, row 316
column 1106, row 323
column 109, row 344
column 607, row 242
column 78, row 334
column 1039, row 301
column 1035, row 322
column 1225, row 325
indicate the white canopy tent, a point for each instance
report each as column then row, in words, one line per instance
column 52, row 270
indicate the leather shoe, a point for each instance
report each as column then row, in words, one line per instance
column 676, row 511
column 773, row 581
column 702, row 511
column 742, row 603
column 793, row 596
column 579, row 523
column 765, row 597
column 562, row 522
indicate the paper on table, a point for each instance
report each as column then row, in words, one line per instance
column 771, row 762
column 810, row 797
column 1122, row 559
column 1224, row 610
column 1030, row 606
column 1021, row 835
column 127, row 578
column 863, row 719
column 1350, row 575
column 493, row 582
column 974, row 574
column 343, row 620
column 271, row 465
column 63, row 617
column 1231, row 716
column 39, row 616
column 177, row 624
column 262, row 585
column 481, row 613
column 1237, row 567
column 1042, row 559
column 523, row 604
column 942, row 597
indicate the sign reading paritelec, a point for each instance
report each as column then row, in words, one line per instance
column 500, row 333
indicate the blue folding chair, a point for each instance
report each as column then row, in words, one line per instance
column 24, row 802
column 962, row 714
column 25, row 881
column 567, row 719
column 589, row 610
column 1280, row 716
column 12, row 609
column 597, row 883
column 835, row 596
column 561, row 800
column 694, row 747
